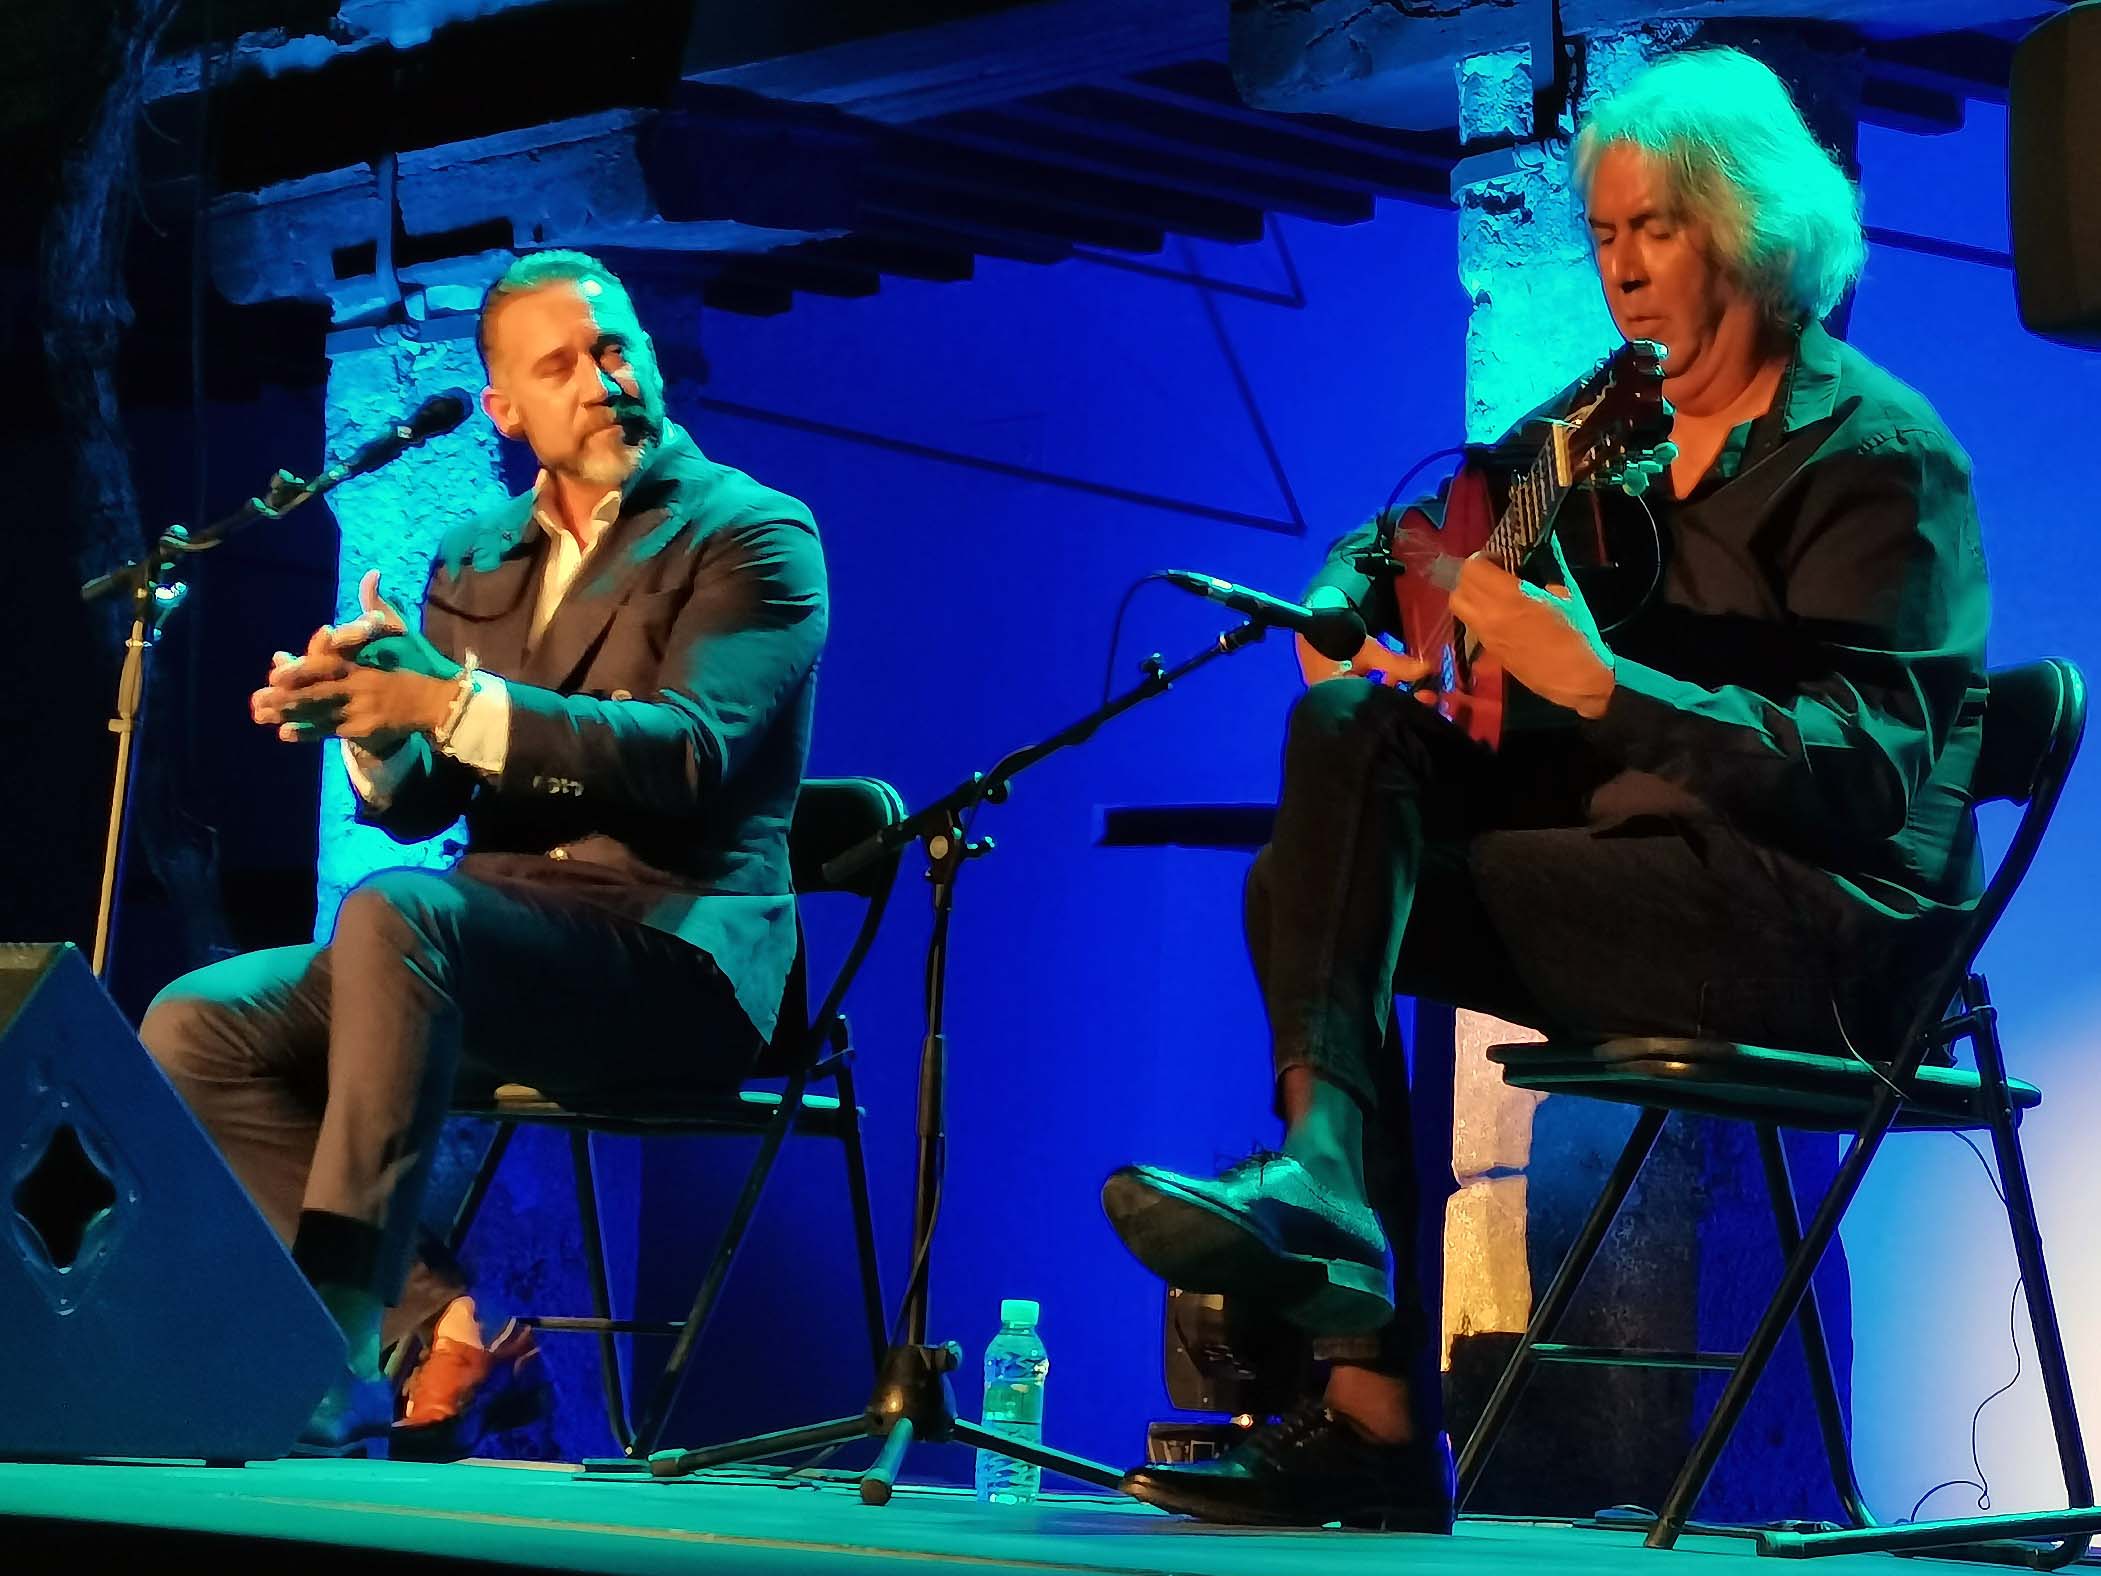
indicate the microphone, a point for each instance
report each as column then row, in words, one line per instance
column 438, row 414
column 286, row 492
column 1335, row 632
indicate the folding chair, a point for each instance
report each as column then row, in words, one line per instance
column 2033, row 721
column 831, row 816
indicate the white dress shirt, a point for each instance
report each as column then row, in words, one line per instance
column 481, row 738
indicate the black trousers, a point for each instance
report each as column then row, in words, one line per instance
column 324, row 1072
column 1406, row 859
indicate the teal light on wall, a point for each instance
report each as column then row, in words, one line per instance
column 392, row 521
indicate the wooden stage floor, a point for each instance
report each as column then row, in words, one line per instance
column 305, row 1518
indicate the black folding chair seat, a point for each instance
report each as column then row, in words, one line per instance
column 735, row 1111
column 1796, row 1089
column 811, row 1046
column 2034, row 718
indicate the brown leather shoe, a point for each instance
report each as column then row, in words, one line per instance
column 461, row 1393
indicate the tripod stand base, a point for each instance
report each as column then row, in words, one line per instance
column 912, row 1401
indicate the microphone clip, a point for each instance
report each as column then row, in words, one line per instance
column 1376, row 561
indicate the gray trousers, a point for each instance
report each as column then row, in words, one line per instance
column 323, row 1073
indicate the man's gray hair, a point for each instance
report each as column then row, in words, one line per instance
column 1738, row 158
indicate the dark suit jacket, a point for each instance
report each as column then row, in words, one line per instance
column 1813, row 668
column 659, row 725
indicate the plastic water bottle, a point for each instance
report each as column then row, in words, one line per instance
column 1015, row 1367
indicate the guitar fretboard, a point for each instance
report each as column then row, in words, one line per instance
column 1533, row 502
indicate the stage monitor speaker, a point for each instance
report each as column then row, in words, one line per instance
column 2053, row 148
column 148, row 1308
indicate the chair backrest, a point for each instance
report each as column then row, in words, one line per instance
column 832, row 814
column 2034, row 718
column 2032, row 725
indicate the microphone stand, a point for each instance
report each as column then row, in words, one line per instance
column 913, row 1398
column 155, row 594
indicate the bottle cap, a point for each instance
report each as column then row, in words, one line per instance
column 1019, row 1310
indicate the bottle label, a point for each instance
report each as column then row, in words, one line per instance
column 1014, row 1403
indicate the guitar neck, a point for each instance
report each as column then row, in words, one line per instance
column 1534, row 501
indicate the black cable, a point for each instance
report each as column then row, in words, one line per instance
column 1656, row 576
column 1980, row 1482
column 1123, row 607
column 915, row 1281
column 1989, row 1175
column 1418, row 468
column 1116, row 630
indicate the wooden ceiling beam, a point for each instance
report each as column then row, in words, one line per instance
column 1046, row 137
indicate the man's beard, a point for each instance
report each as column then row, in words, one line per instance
column 611, row 465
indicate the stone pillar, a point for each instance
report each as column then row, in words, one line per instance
column 1528, row 1167
column 392, row 521
column 526, row 1253
column 1537, row 320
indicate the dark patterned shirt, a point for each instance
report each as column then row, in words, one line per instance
column 1811, row 668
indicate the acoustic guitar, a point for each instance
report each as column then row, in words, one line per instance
column 1618, row 417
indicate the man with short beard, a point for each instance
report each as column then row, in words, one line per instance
column 613, row 683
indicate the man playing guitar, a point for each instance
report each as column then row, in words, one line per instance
column 1743, row 813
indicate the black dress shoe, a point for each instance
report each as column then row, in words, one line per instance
column 1307, row 1470
column 1265, row 1230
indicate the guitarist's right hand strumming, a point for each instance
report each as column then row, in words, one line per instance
column 1374, row 660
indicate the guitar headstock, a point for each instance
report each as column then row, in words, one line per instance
column 1621, row 418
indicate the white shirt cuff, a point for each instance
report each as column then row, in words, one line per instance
column 374, row 778
column 482, row 737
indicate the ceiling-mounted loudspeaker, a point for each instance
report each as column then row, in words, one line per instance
column 2054, row 176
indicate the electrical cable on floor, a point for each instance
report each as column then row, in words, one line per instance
column 1980, row 1482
